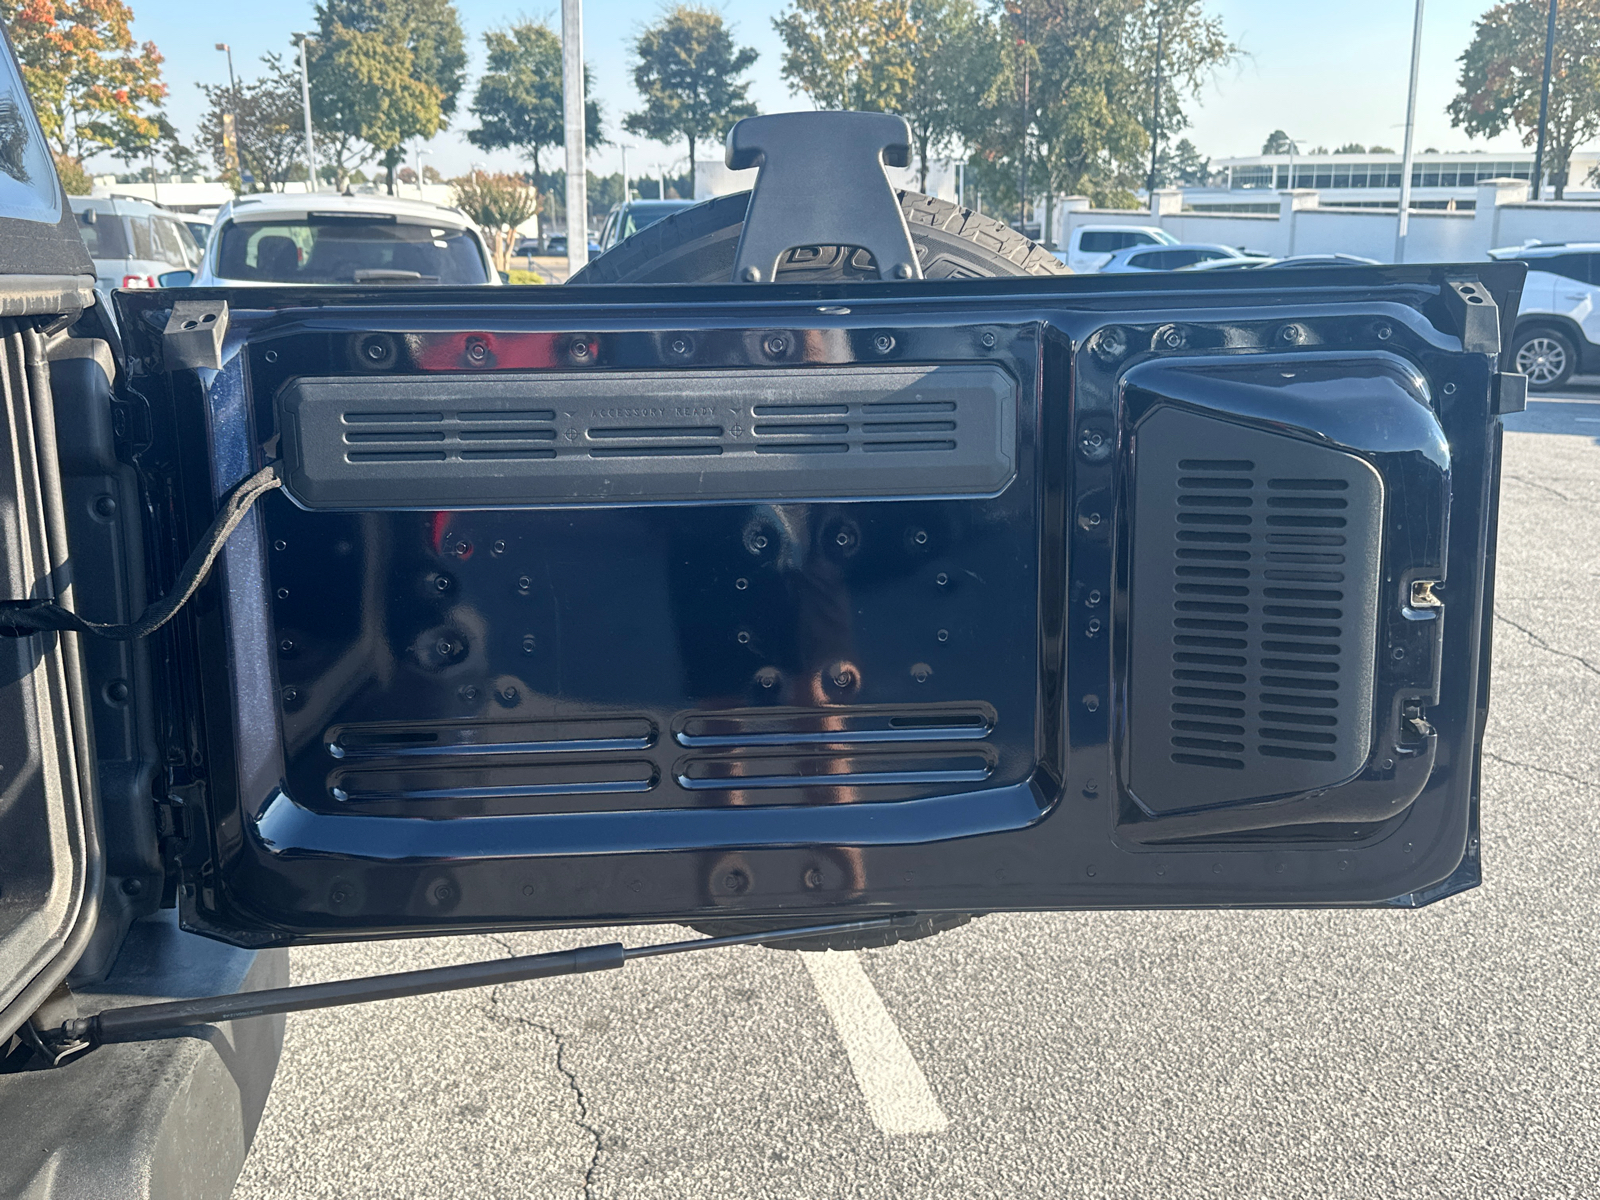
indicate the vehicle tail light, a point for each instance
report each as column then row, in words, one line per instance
column 139, row 281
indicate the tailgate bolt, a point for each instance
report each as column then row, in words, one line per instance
column 988, row 340
column 280, row 544
column 498, row 548
column 1291, row 334
column 752, row 274
column 1092, row 703
column 1384, row 333
column 744, row 637
column 271, row 356
column 477, row 352
column 741, row 583
column 528, row 643
column 813, row 878
column 679, row 346
column 777, row 346
column 943, row 635
column 580, row 349
column 883, row 343
column 1110, row 344
column 921, row 672
column 1171, row 337
column 902, row 271
column 286, row 645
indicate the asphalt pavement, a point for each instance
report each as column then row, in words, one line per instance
column 1448, row 1052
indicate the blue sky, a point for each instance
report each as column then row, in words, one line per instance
column 1327, row 71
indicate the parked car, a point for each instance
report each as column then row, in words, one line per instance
column 1250, row 262
column 200, row 226
column 134, row 244
column 625, row 220
column 326, row 238
column 1558, row 323
column 1171, row 257
column 555, row 246
column 1090, row 247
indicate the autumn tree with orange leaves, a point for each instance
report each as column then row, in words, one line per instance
column 93, row 87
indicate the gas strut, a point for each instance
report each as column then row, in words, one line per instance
column 142, row 1021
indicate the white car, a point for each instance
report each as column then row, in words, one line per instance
column 1167, row 258
column 1558, row 323
column 1090, row 247
column 324, row 239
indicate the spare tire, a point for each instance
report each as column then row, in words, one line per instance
column 697, row 245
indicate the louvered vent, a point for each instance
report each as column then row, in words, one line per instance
column 1253, row 617
column 639, row 436
column 398, row 435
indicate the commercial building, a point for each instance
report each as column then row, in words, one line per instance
column 1445, row 182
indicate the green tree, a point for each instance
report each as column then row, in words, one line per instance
column 268, row 121
column 92, row 86
column 384, row 73
column 1181, row 163
column 687, row 68
column 497, row 204
column 1278, row 142
column 1502, row 75
column 518, row 100
column 1351, row 148
column 849, row 54
column 948, row 78
column 431, row 30
column 1087, row 109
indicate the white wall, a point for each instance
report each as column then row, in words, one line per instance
column 1503, row 217
column 713, row 178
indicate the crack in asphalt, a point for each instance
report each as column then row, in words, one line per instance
column 1508, row 762
column 571, row 1076
column 1544, row 645
column 1543, row 487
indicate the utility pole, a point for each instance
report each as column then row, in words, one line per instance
column 1544, row 98
column 1155, row 110
column 572, row 106
column 1411, row 128
column 305, row 100
column 623, row 147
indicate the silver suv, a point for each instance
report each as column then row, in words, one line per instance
column 136, row 245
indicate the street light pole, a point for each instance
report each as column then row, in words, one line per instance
column 1411, row 128
column 233, row 91
column 233, row 84
column 305, row 100
column 1544, row 98
column 572, row 106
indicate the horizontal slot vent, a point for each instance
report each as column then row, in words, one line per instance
column 810, row 771
column 807, row 727
column 567, row 438
column 487, row 738
column 645, row 431
column 477, row 784
column 1253, row 613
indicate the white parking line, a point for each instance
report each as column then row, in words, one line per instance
column 896, row 1091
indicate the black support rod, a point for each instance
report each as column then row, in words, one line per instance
column 147, row 1020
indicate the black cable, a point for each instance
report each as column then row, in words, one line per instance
column 19, row 618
